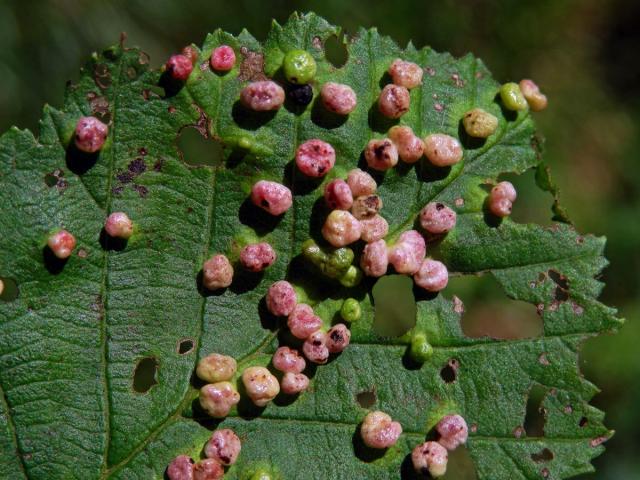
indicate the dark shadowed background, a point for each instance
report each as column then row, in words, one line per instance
column 584, row 53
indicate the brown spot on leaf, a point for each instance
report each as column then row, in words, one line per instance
column 518, row 432
column 458, row 306
column 457, row 80
column 252, row 66
column 598, row 441
column 543, row 359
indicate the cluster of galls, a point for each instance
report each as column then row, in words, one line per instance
column 222, row 450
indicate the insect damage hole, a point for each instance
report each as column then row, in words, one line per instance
column 185, row 346
column 534, row 419
column 367, row 398
column 544, row 455
column 196, row 150
column 561, row 293
column 449, row 372
column 145, row 374
column 395, row 306
column 335, row 50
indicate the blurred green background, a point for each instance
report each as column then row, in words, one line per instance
column 584, row 53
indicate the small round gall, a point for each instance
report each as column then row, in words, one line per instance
column 374, row 228
column 62, row 244
column 119, row 225
column 315, row 347
column 281, row 298
column 288, row 360
column 217, row 399
column 512, row 98
column 180, row 468
column 299, row 67
column 260, row 385
column 338, row 98
column 479, row 123
column 224, row 446
column 442, row 150
column 90, row 134
column 300, row 94
column 208, row 469
column 217, row 272
column 179, row 67
column 361, row 183
column 350, row 310
column 216, row 368
column 366, row 206
column 408, row 252
column 437, row 218
column 352, row 277
column 410, row 147
column 378, row 430
column 223, row 58
column 272, row 197
column 257, row 256
column 453, row 431
column 505, row 190
column 375, row 259
column 293, row 383
column 535, row 98
column 262, row 96
column 405, row 74
column 501, row 198
column 432, row 275
column 338, row 338
column 315, row 158
column 1, row 286
column 420, row 349
column 430, row 458
column 341, row 228
column 191, row 53
column 394, row 101
column 337, row 195
column 303, row 322
column 381, row 154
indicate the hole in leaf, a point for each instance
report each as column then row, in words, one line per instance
column 366, row 399
column 535, row 417
column 145, row 374
column 583, row 422
column 185, row 346
column 544, row 455
column 449, row 372
column 561, row 293
column 50, row 180
column 490, row 313
column 335, row 50
column 196, row 150
column 395, row 306
column 533, row 205
column 9, row 289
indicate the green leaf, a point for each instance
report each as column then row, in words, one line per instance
column 71, row 340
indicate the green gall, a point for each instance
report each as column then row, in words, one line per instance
column 351, row 278
column 351, row 311
column 299, row 67
column 245, row 143
column 339, row 261
column 261, row 475
column 512, row 97
column 479, row 124
column 333, row 264
column 420, row 349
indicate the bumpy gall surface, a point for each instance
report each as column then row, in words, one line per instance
column 338, row 98
column 90, row 134
column 260, row 385
column 303, row 322
column 405, row 74
column 299, row 66
column 315, row 158
column 288, row 360
column 378, row 430
column 300, row 94
column 223, row 446
column 430, row 458
column 500, row 207
column 442, row 150
column 216, row 368
column 262, row 96
column 433, row 275
column 505, row 190
column 535, row 98
column 257, row 256
column 179, row 67
column 437, row 218
column 351, row 311
column 272, row 197
column 394, row 101
column 180, row 468
column 217, row 272
column 366, row 206
column 375, row 259
column 223, row 58
column 408, row 252
column 337, row 195
column 208, row 469
column 374, row 228
column 62, row 244
column 217, row 399
column 361, row 183
column 479, row 123
column 281, row 298
column 501, row 199
column 315, row 347
column 341, row 228
column 293, row 383
column 191, row 53
column 410, row 147
column 119, row 225
column 381, row 154
column 512, row 97
column 453, row 431
column 338, row 338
